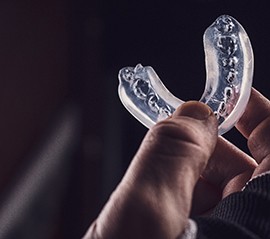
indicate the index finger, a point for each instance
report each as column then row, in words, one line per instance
column 258, row 109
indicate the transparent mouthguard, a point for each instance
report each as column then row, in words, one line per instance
column 229, row 67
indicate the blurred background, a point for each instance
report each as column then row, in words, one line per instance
column 66, row 140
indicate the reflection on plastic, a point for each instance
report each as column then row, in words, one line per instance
column 229, row 67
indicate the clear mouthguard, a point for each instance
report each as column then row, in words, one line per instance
column 229, row 67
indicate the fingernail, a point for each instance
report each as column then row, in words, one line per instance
column 194, row 109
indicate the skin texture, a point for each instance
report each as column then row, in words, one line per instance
column 179, row 162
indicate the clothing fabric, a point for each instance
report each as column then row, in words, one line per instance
column 244, row 214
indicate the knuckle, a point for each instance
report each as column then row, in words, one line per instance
column 178, row 137
column 180, row 131
column 177, row 142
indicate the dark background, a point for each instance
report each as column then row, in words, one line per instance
column 66, row 54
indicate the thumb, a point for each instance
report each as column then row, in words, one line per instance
column 179, row 145
column 168, row 164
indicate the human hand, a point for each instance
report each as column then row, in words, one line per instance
column 229, row 169
column 154, row 198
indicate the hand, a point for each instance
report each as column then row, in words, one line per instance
column 154, row 198
column 229, row 169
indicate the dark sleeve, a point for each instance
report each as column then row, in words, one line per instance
column 244, row 214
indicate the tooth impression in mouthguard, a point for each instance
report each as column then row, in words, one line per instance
column 229, row 67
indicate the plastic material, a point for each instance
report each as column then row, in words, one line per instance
column 229, row 66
